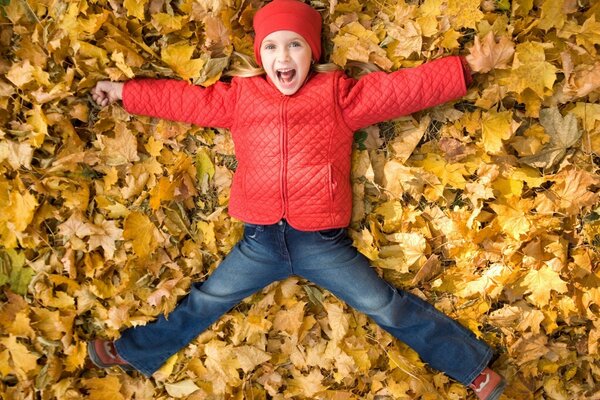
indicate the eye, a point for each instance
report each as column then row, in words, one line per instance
column 269, row 46
column 295, row 43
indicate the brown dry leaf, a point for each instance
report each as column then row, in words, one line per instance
column 488, row 54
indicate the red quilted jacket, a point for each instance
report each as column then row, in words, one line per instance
column 294, row 151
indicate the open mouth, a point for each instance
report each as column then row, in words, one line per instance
column 286, row 76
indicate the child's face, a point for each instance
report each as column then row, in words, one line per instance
column 286, row 58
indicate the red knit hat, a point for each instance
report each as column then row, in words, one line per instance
column 288, row 15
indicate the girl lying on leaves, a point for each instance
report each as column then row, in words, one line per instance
column 293, row 133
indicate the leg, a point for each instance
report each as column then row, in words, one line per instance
column 248, row 268
column 334, row 264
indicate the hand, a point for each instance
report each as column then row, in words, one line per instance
column 107, row 92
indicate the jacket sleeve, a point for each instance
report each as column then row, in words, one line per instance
column 175, row 100
column 381, row 96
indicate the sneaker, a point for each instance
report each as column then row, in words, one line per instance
column 488, row 385
column 104, row 355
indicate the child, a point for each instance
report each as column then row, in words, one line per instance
column 293, row 134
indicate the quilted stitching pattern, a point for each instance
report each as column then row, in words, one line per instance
column 294, row 152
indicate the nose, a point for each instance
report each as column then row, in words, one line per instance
column 283, row 54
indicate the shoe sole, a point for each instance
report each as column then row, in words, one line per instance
column 498, row 390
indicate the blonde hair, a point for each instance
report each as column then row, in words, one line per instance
column 244, row 66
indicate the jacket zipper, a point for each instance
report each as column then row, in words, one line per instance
column 284, row 148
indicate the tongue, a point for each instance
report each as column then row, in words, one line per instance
column 287, row 76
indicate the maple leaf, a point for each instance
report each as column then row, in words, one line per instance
column 464, row 13
column 143, row 233
column 77, row 226
column 120, row 150
column 496, row 128
column 179, row 58
column 106, row 388
column 513, row 216
column 23, row 362
column 105, row 237
column 563, row 132
column 530, row 70
column 489, row 54
column 306, row 385
column 17, row 154
column 572, row 191
column 540, row 283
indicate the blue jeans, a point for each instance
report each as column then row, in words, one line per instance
column 269, row 253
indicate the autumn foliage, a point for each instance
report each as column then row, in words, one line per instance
column 488, row 207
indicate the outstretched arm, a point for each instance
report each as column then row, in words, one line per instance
column 382, row 96
column 172, row 99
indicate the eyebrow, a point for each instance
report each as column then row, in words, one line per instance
column 295, row 38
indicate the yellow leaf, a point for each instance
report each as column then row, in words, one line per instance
column 5, row 368
column 76, row 355
column 20, row 73
column 21, row 326
column 86, row 49
column 489, row 284
column 163, row 191
column 166, row 369
column 540, row 283
column 107, row 234
column 23, row 361
column 412, row 245
column 464, row 13
column 17, row 154
column 39, row 124
column 552, row 15
column 179, row 58
column 508, row 187
column 139, row 229
column 530, row 70
column 250, row 357
column 120, row 150
column 409, row 39
column 497, row 127
column 166, row 23
column 450, row 40
column 429, row 26
column 452, row 174
column 290, row 320
column 363, row 241
column 119, row 60
column 181, row 389
column 512, row 216
column 135, row 8
column 338, row 321
column 306, row 386
column 154, row 146
column 106, row 388
column 573, row 190
column 590, row 34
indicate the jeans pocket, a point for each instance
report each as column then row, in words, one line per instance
column 251, row 231
column 332, row 234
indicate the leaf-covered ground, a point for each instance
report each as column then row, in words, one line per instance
column 487, row 207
